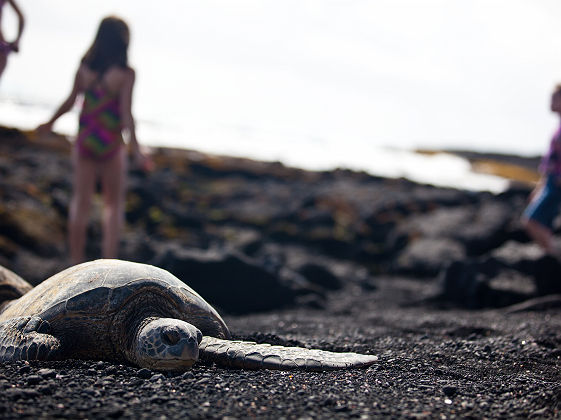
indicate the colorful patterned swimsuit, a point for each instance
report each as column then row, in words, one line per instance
column 5, row 48
column 99, row 135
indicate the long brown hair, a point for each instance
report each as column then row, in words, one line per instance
column 110, row 46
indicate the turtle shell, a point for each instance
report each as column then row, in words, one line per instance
column 96, row 292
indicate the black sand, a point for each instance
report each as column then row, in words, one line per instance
column 436, row 360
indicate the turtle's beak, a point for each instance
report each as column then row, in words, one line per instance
column 167, row 344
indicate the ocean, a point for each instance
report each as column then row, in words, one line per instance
column 359, row 84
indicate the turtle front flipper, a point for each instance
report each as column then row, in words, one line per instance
column 248, row 355
column 27, row 338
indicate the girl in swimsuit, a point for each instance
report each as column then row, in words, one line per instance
column 104, row 81
column 5, row 46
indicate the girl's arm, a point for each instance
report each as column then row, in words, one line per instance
column 65, row 106
column 21, row 24
column 125, row 103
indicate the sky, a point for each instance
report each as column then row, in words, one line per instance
column 394, row 73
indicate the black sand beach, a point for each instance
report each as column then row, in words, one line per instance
column 442, row 285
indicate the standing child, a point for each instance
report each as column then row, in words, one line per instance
column 7, row 47
column 105, row 81
column 546, row 197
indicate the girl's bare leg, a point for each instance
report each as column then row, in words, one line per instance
column 84, row 188
column 540, row 234
column 3, row 62
column 113, row 184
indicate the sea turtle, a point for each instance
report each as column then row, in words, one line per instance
column 130, row 312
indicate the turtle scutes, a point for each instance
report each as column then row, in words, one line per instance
column 129, row 312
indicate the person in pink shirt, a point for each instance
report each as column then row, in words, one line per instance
column 545, row 199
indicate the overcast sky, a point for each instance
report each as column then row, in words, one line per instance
column 402, row 73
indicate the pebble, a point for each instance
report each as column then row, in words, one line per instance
column 111, row 370
column 203, row 381
column 89, row 391
column 157, row 377
column 47, row 373
column 555, row 353
column 14, row 394
column 24, row 369
column 157, row 399
column 135, row 382
column 188, row 375
column 538, row 413
column 112, row 410
column 144, row 373
column 45, row 390
column 21, row 393
column 341, row 408
column 33, row 379
column 449, row 390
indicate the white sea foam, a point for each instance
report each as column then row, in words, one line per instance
column 290, row 148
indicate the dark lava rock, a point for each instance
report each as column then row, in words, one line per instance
column 427, row 257
column 488, row 227
column 476, row 285
column 510, row 274
column 517, row 256
column 320, row 276
column 229, row 280
column 548, row 275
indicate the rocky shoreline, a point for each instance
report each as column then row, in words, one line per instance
column 442, row 284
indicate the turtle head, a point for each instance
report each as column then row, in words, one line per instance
column 167, row 344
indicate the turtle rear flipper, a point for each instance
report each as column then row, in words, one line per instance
column 12, row 286
column 27, row 338
column 248, row 355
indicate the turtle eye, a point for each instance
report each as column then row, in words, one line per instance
column 170, row 337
